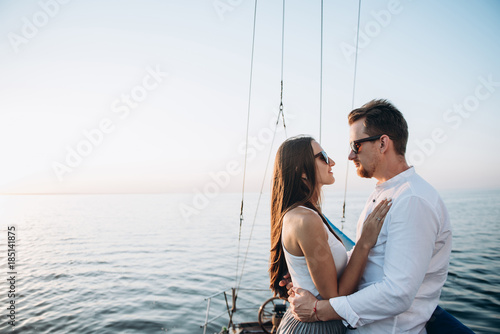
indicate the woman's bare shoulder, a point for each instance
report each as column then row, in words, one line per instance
column 300, row 218
column 302, row 227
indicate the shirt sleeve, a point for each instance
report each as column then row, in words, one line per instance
column 411, row 235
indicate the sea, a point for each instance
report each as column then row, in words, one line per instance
column 147, row 263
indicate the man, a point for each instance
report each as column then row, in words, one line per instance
column 408, row 266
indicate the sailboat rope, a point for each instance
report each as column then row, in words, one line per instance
column 258, row 201
column 246, row 140
column 321, row 77
column 281, row 114
column 282, row 62
column 352, row 107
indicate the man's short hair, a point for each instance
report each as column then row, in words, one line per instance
column 382, row 117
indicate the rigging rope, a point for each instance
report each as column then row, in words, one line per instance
column 280, row 113
column 282, row 58
column 258, row 201
column 352, row 107
column 246, row 140
column 356, row 57
column 321, row 77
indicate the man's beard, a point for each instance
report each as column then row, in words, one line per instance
column 365, row 173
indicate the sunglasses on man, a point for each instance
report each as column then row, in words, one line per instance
column 356, row 145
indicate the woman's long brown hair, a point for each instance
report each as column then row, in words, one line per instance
column 294, row 160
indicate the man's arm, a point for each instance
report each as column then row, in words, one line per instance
column 303, row 304
column 307, row 306
column 411, row 236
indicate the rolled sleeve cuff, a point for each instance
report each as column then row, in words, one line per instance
column 344, row 310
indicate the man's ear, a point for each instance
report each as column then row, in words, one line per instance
column 384, row 143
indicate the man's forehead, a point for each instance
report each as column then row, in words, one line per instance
column 356, row 129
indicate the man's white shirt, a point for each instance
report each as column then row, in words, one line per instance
column 408, row 266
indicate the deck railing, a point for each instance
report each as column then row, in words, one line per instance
column 230, row 309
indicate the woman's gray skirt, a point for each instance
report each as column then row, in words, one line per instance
column 290, row 325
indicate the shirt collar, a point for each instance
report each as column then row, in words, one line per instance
column 398, row 179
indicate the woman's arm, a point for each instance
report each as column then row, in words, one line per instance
column 349, row 280
column 312, row 239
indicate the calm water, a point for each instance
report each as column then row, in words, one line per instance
column 133, row 264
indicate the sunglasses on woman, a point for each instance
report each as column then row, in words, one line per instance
column 356, row 145
column 323, row 157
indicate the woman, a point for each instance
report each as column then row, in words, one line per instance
column 302, row 242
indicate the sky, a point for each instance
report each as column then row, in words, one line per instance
column 152, row 96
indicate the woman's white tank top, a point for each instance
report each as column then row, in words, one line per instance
column 297, row 265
